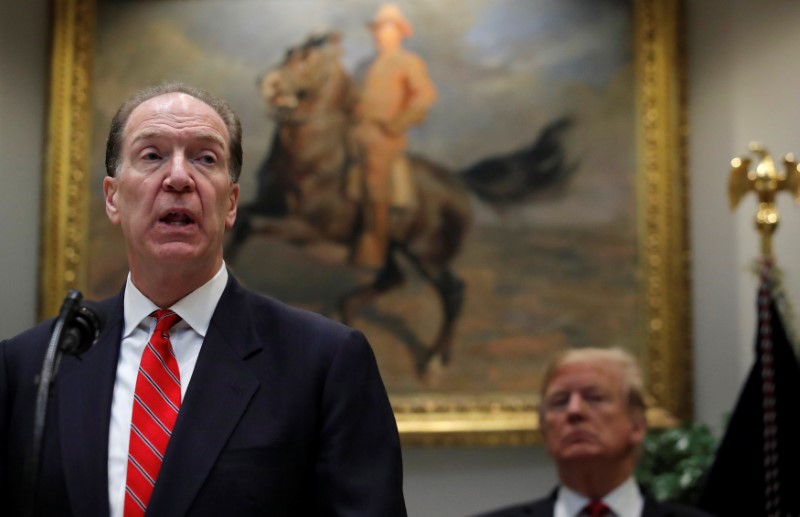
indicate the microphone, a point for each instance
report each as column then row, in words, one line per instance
column 75, row 330
column 82, row 331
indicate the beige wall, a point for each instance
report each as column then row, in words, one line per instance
column 23, row 67
column 744, row 85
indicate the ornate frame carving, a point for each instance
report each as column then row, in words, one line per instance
column 484, row 420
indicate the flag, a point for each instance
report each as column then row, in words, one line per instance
column 756, row 470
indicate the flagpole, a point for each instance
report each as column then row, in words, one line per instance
column 766, row 183
column 756, row 470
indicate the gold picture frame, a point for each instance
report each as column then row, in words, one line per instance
column 488, row 419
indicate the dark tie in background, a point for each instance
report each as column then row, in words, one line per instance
column 156, row 402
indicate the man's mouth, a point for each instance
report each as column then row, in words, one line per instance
column 176, row 219
column 579, row 436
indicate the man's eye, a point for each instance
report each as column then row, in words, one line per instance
column 152, row 155
column 595, row 398
column 555, row 404
column 208, row 159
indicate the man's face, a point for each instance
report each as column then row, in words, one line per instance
column 173, row 195
column 586, row 415
column 387, row 36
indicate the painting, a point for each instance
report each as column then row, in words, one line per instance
column 547, row 179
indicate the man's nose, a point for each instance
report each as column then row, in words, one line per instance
column 179, row 176
column 576, row 404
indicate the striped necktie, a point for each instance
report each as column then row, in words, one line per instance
column 156, row 401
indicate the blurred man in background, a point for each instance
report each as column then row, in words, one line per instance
column 592, row 416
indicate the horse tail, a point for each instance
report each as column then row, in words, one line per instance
column 515, row 176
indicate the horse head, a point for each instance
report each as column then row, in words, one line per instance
column 309, row 79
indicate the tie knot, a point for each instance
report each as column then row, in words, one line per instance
column 597, row 509
column 165, row 319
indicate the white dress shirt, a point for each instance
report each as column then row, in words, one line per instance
column 624, row 501
column 186, row 337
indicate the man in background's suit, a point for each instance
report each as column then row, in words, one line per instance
column 274, row 410
column 593, row 423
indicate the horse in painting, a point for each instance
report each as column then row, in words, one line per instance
column 302, row 192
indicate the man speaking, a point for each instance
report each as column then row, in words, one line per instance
column 200, row 397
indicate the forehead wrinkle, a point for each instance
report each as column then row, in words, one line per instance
column 202, row 134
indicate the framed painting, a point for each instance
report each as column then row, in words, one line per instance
column 557, row 130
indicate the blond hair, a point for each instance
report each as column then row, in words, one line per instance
column 632, row 385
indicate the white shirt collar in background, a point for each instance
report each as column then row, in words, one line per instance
column 625, row 501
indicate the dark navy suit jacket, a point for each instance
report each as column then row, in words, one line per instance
column 545, row 508
column 286, row 414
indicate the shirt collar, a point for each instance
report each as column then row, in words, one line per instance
column 571, row 500
column 625, row 496
column 196, row 308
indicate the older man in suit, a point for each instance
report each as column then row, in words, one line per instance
column 200, row 397
column 593, row 423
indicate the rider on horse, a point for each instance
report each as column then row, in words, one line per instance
column 397, row 93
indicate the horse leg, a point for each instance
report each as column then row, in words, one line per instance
column 450, row 289
column 451, row 294
column 389, row 277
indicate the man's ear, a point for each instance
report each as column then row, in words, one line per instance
column 233, row 200
column 638, row 429
column 110, row 186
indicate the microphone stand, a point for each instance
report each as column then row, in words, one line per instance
column 71, row 329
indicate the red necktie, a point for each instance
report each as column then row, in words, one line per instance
column 156, row 401
column 596, row 509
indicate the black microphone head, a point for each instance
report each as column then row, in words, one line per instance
column 84, row 329
column 92, row 311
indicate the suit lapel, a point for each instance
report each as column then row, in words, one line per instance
column 547, row 506
column 218, row 395
column 539, row 508
column 83, row 391
column 653, row 509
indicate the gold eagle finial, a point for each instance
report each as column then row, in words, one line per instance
column 766, row 183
